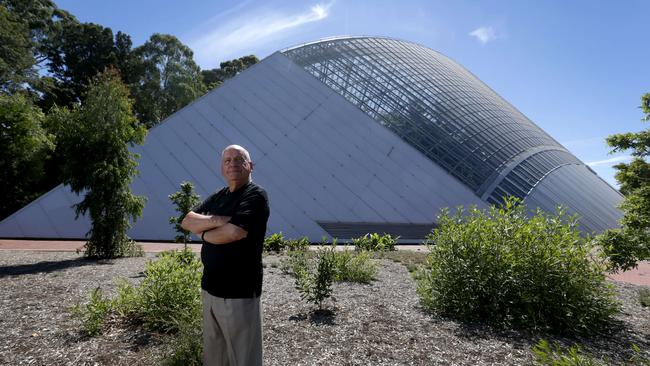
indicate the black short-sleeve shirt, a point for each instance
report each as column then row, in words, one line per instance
column 234, row 270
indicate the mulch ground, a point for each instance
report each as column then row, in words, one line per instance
column 375, row 324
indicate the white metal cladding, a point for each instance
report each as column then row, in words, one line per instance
column 320, row 158
column 566, row 184
column 454, row 119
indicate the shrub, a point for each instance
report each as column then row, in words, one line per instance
column 375, row 242
column 186, row 348
column 644, row 297
column 510, row 270
column 93, row 315
column 294, row 262
column 169, row 295
column 573, row 356
column 555, row 356
column 316, row 286
column 184, row 199
column 301, row 244
column 274, row 243
column 354, row 267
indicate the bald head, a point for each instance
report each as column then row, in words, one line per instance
column 238, row 148
column 236, row 166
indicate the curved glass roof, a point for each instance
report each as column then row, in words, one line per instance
column 428, row 100
column 439, row 108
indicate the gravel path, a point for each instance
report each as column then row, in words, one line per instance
column 376, row 324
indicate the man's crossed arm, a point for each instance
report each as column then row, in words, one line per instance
column 213, row 229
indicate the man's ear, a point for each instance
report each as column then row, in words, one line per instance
column 252, row 165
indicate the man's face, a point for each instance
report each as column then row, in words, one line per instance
column 235, row 167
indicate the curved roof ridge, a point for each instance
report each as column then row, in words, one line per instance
column 338, row 38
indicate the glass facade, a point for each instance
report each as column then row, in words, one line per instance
column 439, row 108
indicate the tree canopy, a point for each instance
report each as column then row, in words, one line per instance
column 227, row 69
column 168, row 80
column 24, row 147
column 631, row 243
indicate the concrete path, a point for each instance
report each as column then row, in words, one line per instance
column 639, row 276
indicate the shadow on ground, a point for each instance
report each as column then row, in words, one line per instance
column 316, row 317
column 47, row 266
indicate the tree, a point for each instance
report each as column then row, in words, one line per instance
column 184, row 200
column 94, row 139
column 168, row 80
column 76, row 52
column 16, row 57
column 631, row 243
column 30, row 24
column 227, row 69
column 24, row 146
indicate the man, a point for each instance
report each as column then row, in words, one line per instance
column 232, row 224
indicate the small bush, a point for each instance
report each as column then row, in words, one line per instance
column 184, row 200
column 168, row 296
column 354, row 267
column 555, row 356
column 316, row 286
column 274, row 243
column 93, row 315
column 375, row 242
column 644, row 297
column 510, row 270
column 186, row 348
column 299, row 244
column 294, row 262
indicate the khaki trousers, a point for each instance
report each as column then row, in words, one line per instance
column 232, row 331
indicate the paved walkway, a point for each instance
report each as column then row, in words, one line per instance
column 639, row 276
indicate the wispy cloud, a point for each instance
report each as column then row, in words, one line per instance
column 484, row 34
column 610, row 161
column 253, row 28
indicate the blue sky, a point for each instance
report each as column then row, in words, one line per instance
column 576, row 68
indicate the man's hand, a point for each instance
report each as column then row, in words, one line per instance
column 198, row 223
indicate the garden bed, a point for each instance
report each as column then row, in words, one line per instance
column 376, row 324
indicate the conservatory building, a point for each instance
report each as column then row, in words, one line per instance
column 349, row 136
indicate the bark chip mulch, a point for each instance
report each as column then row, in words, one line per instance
column 376, row 324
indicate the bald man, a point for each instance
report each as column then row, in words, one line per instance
column 232, row 225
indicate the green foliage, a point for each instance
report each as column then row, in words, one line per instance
column 16, row 56
column 644, row 297
column 184, row 200
column 354, row 266
column 548, row 355
column 301, row 244
column 295, row 261
column 274, row 243
column 555, row 356
column 631, row 243
column 638, row 358
column 168, row 297
column 24, row 146
column 186, row 348
column 375, row 242
column 315, row 286
column 93, row 315
column 76, row 52
column 168, row 80
column 277, row 243
column 227, row 69
column 94, row 140
column 510, row 270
